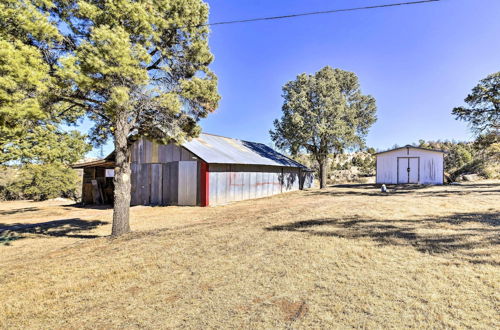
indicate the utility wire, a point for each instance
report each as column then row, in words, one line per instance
column 320, row 12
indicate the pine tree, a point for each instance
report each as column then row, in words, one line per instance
column 132, row 67
column 323, row 113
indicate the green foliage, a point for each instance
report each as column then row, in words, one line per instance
column 26, row 82
column 29, row 118
column 323, row 113
column 45, row 145
column 45, row 181
column 341, row 166
column 132, row 66
column 8, row 176
column 479, row 157
column 364, row 163
column 459, row 155
column 476, row 166
column 483, row 113
column 22, row 80
column 488, row 145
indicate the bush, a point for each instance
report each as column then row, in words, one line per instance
column 480, row 157
column 8, row 176
column 459, row 155
column 41, row 182
column 474, row 167
column 365, row 163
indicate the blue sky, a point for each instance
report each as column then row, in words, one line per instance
column 418, row 62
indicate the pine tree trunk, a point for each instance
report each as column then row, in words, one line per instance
column 122, row 178
column 322, row 173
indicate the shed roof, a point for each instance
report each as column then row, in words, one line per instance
column 95, row 163
column 217, row 149
column 411, row 147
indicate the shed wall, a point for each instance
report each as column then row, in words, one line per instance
column 430, row 166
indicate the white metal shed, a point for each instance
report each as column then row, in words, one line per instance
column 410, row 164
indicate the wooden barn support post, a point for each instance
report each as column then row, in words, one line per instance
column 204, row 184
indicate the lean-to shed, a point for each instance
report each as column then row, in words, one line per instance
column 410, row 164
column 208, row 170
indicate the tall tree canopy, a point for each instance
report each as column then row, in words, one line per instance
column 483, row 113
column 44, row 144
column 133, row 67
column 323, row 113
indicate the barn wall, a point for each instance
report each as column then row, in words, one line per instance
column 148, row 152
column 159, row 178
column 230, row 183
column 188, row 183
column 431, row 166
column 306, row 179
column 155, row 174
column 165, row 184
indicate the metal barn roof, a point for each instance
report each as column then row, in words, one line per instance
column 215, row 149
column 411, row 147
column 223, row 150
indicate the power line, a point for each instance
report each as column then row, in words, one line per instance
column 319, row 12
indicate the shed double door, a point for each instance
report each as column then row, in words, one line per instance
column 408, row 169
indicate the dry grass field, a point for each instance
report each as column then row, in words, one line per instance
column 348, row 256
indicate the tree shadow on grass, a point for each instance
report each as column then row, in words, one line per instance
column 20, row 210
column 416, row 189
column 89, row 206
column 57, row 228
column 67, row 207
column 455, row 234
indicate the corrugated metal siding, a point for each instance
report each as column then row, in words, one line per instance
column 306, row 180
column 170, row 183
column 290, row 179
column 169, row 175
column 430, row 168
column 229, row 183
column 154, row 184
column 148, row 152
column 188, row 183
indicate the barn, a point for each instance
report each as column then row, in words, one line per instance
column 208, row 170
column 410, row 164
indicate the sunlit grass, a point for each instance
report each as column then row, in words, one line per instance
column 344, row 257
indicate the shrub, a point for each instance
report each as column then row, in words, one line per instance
column 44, row 181
column 8, row 176
column 365, row 162
column 474, row 167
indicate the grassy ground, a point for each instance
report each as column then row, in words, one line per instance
column 347, row 256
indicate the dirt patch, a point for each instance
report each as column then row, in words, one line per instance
column 292, row 310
